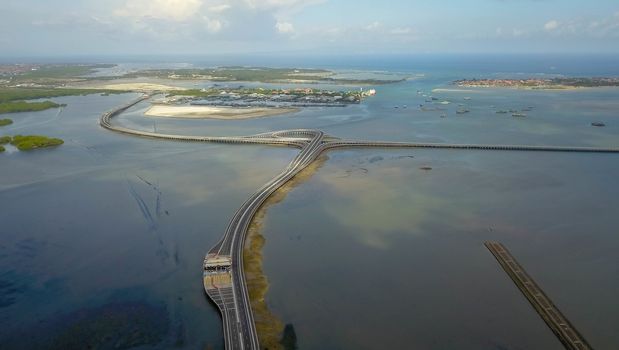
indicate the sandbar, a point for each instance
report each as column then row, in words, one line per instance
column 456, row 90
column 140, row 87
column 212, row 112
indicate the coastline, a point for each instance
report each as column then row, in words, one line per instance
column 211, row 112
column 139, row 86
column 269, row 326
column 544, row 88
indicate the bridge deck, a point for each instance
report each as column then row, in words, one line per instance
column 227, row 287
column 558, row 323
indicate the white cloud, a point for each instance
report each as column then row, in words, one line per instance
column 373, row 26
column 228, row 19
column 218, row 8
column 173, row 10
column 604, row 27
column 281, row 3
column 551, row 25
column 213, row 25
column 284, row 27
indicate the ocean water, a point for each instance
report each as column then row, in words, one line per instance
column 108, row 231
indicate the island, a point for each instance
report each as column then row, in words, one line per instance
column 5, row 122
column 265, row 97
column 19, row 84
column 257, row 74
column 540, row 83
column 23, row 106
column 37, row 75
column 3, row 141
column 31, row 142
column 14, row 99
column 87, row 75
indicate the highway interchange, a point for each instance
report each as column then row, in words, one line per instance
column 223, row 274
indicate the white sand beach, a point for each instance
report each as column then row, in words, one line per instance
column 140, row 87
column 212, row 112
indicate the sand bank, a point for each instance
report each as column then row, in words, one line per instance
column 211, row 112
column 456, row 90
column 140, row 87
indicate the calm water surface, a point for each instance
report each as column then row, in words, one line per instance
column 372, row 251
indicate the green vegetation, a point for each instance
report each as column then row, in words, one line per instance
column 2, row 149
column 5, row 139
column 20, row 94
column 271, row 331
column 23, row 106
column 586, row 82
column 235, row 73
column 27, row 143
column 4, row 122
column 13, row 100
column 48, row 73
column 268, row 326
column 259, row 74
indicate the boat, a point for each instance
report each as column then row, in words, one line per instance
column 519, row 115
column 598, row 124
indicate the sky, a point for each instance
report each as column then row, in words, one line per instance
column 203, row 27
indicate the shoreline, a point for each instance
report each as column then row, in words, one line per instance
column 211, row 112
column 138, row 86
column 270, row 327
column 543, row 88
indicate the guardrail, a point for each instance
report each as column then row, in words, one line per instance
column 312, row 143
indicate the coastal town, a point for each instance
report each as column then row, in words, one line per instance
column 540, row 83
column 261, row 97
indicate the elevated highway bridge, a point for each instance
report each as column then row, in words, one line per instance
column 223, row 274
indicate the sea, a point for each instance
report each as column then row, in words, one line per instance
column 102, row 239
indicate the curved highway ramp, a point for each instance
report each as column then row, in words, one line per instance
column 223, row 274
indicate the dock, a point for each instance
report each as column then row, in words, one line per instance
column 558, row 323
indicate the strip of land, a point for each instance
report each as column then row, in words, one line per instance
column 139, row 87
column 270, row 328
column 23, row 106
column 540, row 84
column 15, row 99
column 209, row 112
column 30, row 142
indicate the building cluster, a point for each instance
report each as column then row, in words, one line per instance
column 503, row 82
column 300, row 97
column 7, row 70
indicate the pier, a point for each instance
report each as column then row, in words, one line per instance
column 558, row 323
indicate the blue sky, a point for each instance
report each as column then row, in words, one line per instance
column 165, row 27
